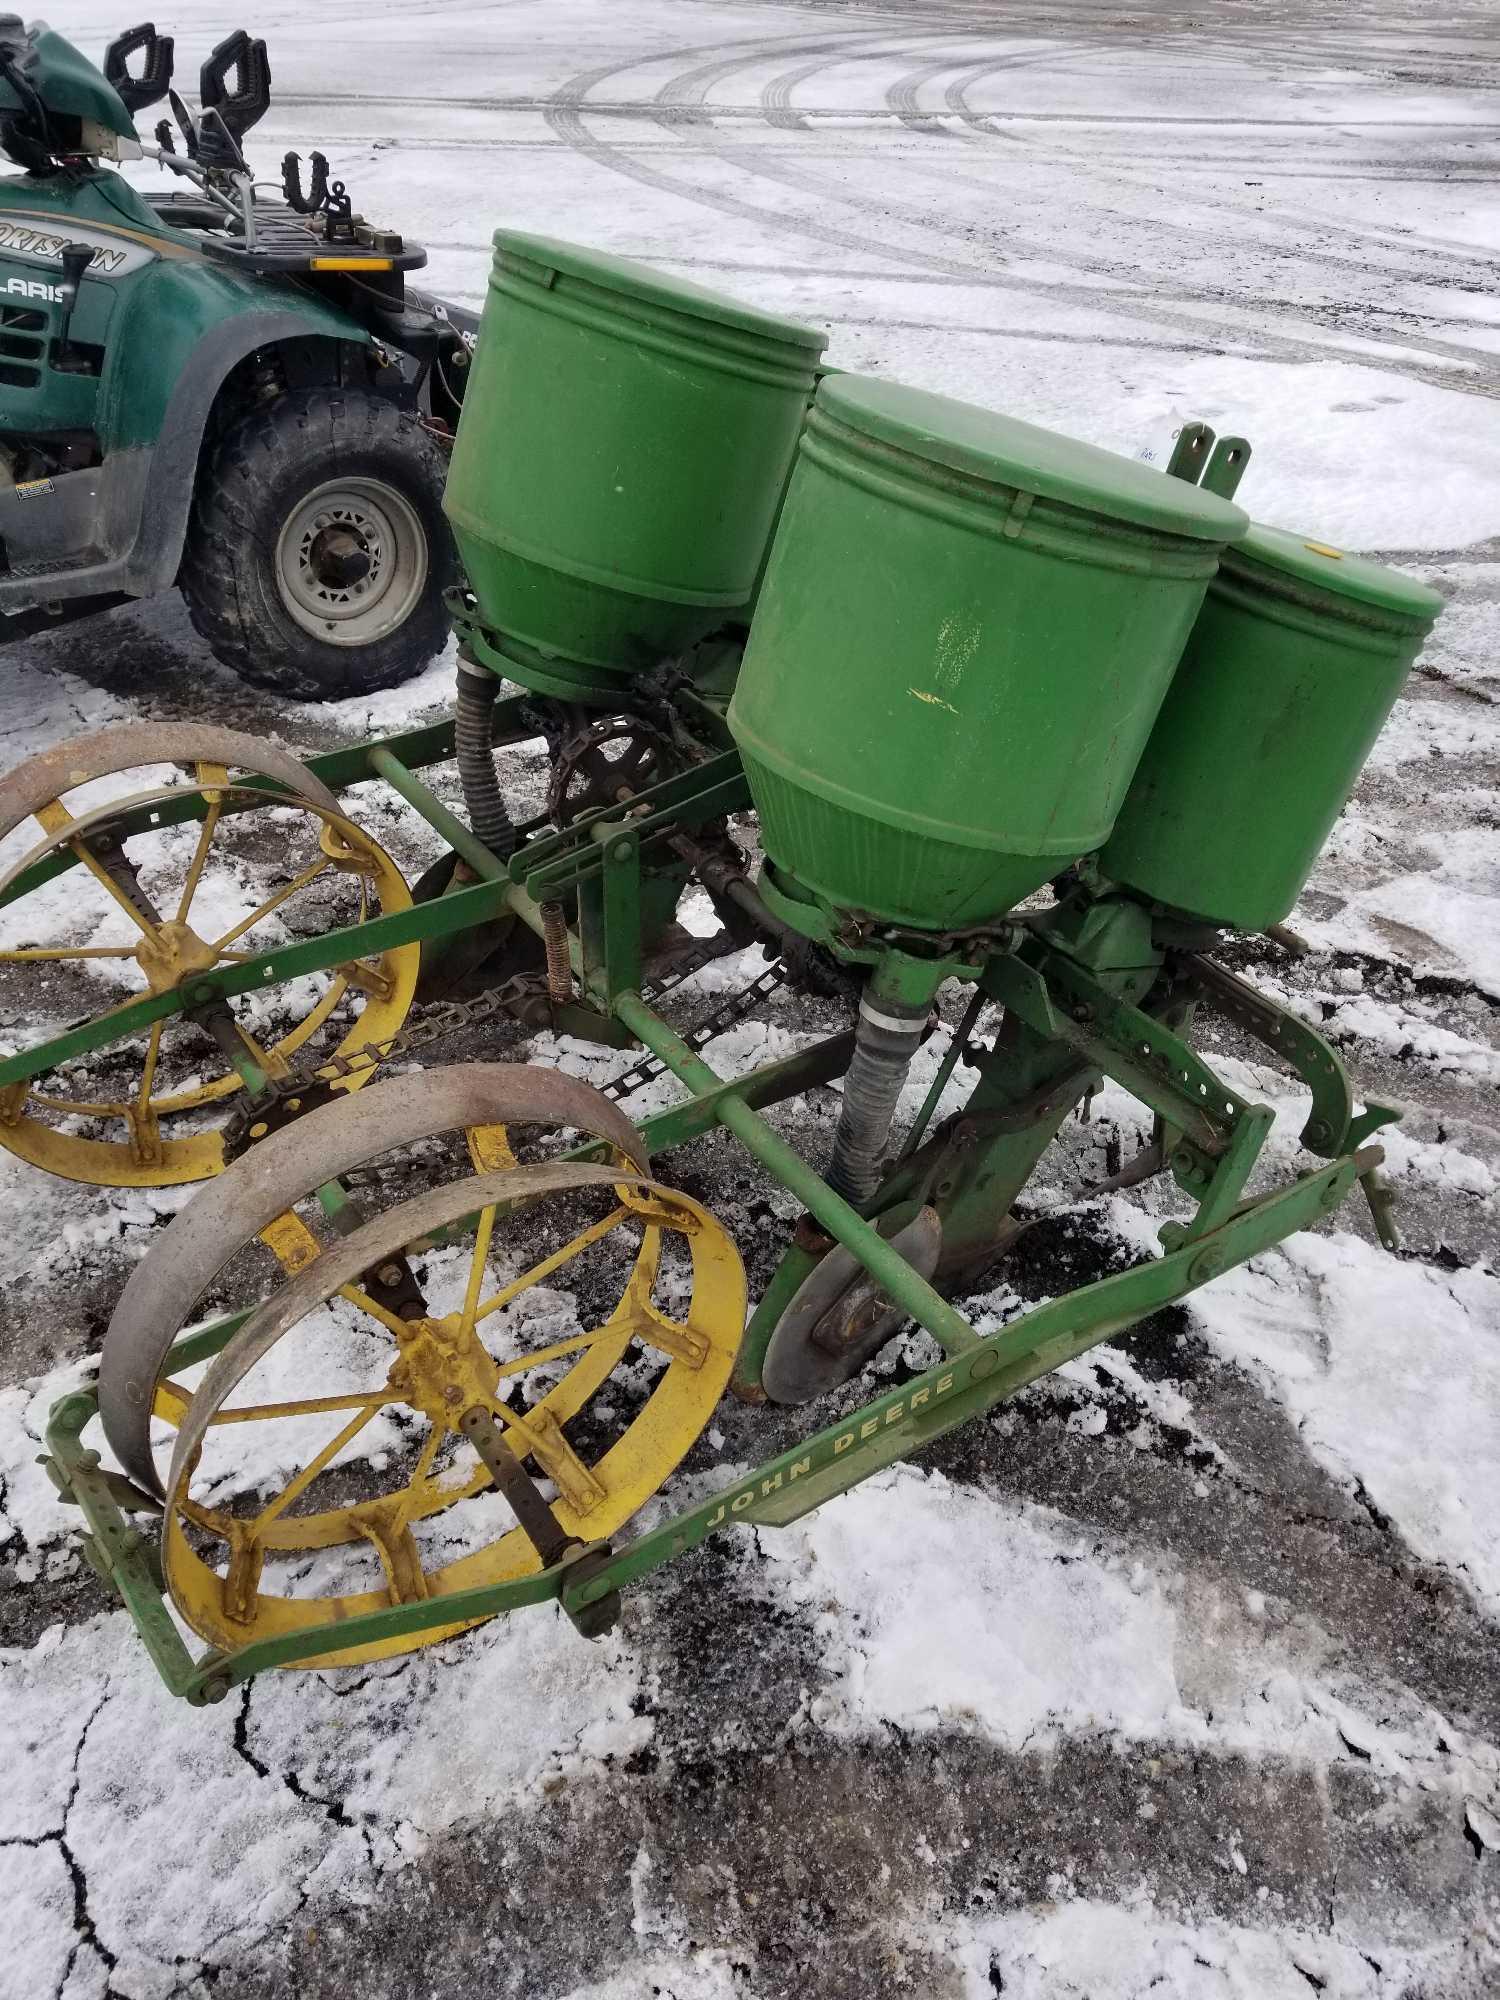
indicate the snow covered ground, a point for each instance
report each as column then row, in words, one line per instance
column 1178, row 1675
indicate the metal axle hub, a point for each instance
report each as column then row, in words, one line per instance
column 442, row 1368
column 340, row 556
column 171, row 953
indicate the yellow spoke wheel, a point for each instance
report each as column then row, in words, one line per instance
column 174, row 906
column 331, row 1471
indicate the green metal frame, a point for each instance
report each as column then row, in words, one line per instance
column 392, row 759
column 1074, row 983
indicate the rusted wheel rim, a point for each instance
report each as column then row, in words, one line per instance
column 352, row 561
column 163, row 1292
column 159, row 1133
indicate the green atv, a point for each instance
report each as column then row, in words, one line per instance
column 206, row 388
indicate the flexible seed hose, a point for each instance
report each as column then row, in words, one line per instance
column 884, row 1044
column 472, row 730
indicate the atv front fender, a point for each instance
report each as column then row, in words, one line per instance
column 180, row 331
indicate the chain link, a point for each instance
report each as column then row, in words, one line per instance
column 727, row 1014
column 512, row 999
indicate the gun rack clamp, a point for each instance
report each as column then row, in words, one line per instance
column 319, row 232
column 869, row 747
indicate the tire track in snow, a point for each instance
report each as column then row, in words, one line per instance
column 775, row 166
column 566, row 117
column 687, row 92
column 956, row 100
column 902, row 98
column 776, row 99
column 690, row 91
column 1332, row 269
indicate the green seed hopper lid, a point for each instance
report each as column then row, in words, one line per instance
column 638, row 281
column 1296, row 559
column 1006, row 452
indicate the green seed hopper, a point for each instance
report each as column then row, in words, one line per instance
column 1292, row 668
column 1026, row 730
column 613, row 499
column 966, row 629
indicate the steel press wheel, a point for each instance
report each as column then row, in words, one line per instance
column 145, row 890
column 283, row 1189
column 588, row 1314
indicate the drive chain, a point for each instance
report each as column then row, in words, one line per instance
column 727, row 1014
column 521, row 998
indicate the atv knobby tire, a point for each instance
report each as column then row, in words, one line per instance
column 318, row 554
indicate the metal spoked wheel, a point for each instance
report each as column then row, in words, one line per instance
column 573, row 1322
column 146, row 890
column 351, row 561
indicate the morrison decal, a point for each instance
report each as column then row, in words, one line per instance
column 38, row 243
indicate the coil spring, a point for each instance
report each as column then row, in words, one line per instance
column 559, row 966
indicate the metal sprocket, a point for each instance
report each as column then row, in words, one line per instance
column 586, row 777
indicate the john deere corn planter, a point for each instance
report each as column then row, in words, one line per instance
column 1008, row 712
column 207, row 388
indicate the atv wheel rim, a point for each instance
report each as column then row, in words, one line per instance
column 351, row 563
